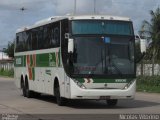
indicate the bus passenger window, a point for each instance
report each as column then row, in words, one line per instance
column 56, row 36
column 46, row 37
column 34, row 40
column 40, row 38
column 17, row 42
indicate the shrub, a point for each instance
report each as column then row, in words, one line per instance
column 148, row 83
column 9, row 73
column 149, row 80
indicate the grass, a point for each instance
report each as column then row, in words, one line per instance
column 7, row 73
column 150, row 89
column 149, row 84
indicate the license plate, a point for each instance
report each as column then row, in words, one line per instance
column 104, row 97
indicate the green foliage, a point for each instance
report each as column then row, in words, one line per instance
column 8, row 73
column 10, row 49
column 148, row 83
column 149, row 80
column 150, row 89
column 151, row 30
column 138, row 54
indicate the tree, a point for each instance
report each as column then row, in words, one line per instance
column 138, row 54
column 151, row 30
column 10, row 49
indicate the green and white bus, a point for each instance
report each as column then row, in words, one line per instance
column 77, row 57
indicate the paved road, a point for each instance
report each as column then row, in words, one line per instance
column 12, row 101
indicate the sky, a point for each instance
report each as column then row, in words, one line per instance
column 12, row 18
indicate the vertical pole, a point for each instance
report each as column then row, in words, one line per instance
column 75, row 6
column 94, row 6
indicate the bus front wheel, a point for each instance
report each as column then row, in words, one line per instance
column 112, row 102
column 60, row 100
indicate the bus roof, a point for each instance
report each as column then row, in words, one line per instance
column 72, row 17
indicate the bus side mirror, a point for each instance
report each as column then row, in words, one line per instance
column 70, row 45
column 142, row 43
column 141, row 48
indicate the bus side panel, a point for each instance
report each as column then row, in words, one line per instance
column 44, row 80
column 67, row 86
column 17, row 76
column 48, row 80
column 59, row 73
column 19, row 71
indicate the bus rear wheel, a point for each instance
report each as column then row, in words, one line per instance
column 112, row 102
column 29, row 93
column 23, row 88
column 60, row 100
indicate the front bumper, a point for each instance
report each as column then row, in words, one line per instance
column 79, row 93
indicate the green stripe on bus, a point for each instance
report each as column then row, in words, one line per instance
column 42, row 60
column 33, row 73
column 31, row 61
column 59, row 57
column 24, row 61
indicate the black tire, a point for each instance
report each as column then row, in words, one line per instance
column 60, row 100
column 23, row 88
column 112, row 102
column 29, row 94
column 36, row 95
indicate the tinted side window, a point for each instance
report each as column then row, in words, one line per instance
column 57, row 36
column 54, row 35
column 23, row 41
column 34, row 39
column 41, row 41
column 44, row 37
column 28, row 40
column 19, row 43
column 51, row 35
column 26, row 37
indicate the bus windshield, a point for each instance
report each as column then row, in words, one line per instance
column 103, row 48
column 104, row 56
column 101, row 27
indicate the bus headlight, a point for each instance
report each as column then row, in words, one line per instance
column 127, row 86
column 79, row 84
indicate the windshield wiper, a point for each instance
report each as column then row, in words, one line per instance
column 112, row 63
